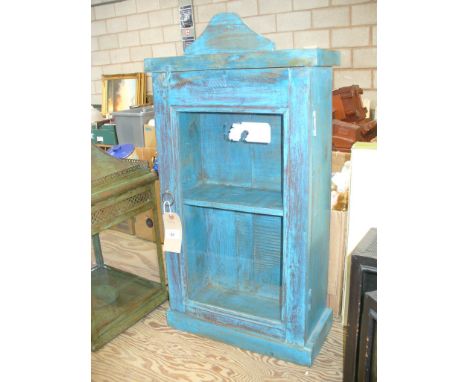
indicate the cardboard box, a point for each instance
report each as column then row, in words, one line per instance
column 337, row 255
column 338, row 160
column 142, row 229
column 149, row 133
column 127, row 226
column 143, row 225
column 147, row 154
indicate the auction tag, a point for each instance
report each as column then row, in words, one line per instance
column 172, row 231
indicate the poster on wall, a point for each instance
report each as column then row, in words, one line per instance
column 186, row 19
column 187, row 25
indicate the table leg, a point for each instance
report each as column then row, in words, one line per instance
column 98, row 250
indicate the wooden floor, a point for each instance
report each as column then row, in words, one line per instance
column 152, row 351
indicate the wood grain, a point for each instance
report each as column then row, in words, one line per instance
column 152, row 351
column 129, row 253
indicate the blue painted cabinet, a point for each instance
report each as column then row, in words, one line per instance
column 253, row 267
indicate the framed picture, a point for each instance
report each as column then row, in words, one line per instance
column 122, row 91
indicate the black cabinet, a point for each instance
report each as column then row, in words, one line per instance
column 367, row 357
column 361, row 329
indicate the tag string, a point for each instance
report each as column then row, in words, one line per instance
column 168, row 206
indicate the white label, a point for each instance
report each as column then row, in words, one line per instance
column 172, row 232
column 253, row 132
column 100, row 139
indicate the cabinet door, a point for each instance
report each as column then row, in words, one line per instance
column 167, row 147
column 241, row 203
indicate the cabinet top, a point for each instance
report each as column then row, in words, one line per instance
column 227, row 43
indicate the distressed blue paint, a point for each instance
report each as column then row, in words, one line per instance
column 238, row 269
column 268, row 345
column 195, row 244
column 253, row 267
column 240, row 301
column 287, row 58
column 295, row 201
column 245, row 199
column 242, row 321
column 259, row 87
column 234, row 163
column 223, row 34
column 320, row 153
column 169, row 166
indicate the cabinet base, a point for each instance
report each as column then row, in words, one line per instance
column 302, row 355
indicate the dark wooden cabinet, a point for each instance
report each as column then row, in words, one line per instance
column 367, row 357
column 361, row 327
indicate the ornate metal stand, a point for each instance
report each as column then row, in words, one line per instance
column 120, row 189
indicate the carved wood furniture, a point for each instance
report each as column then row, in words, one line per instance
column 350, row 124
column 253, row 267
column 359, row 326
column 345, row 134
column 120, row 189
column 347, row 104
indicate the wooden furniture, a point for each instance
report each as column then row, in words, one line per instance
column 363, row 279
column 350, row 124
column 367, row 363
column 120, row 189
column 256, row 216
column 345, row 134
column 347, row 104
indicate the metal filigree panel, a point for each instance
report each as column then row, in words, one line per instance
column 105, row 214
column 120, row 175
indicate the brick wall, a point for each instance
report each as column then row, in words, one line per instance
column 124, row 33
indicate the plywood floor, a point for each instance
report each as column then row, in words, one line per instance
column 152, row 351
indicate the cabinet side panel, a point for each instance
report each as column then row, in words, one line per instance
column 319, row 196
column 296, row 203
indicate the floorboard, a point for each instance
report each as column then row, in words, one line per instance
column 152, row 351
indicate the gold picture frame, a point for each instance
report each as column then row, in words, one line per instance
column 122, row 91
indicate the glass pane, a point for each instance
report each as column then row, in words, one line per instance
column 232, row 212
column 235, row 260
column 126, row 280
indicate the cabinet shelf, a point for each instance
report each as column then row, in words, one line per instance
column 239, row 301
column 234, row 198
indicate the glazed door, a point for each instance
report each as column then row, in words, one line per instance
column 234, row 196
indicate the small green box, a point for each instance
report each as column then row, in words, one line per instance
column 104, row 135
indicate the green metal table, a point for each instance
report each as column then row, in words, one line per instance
column 120, row 189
